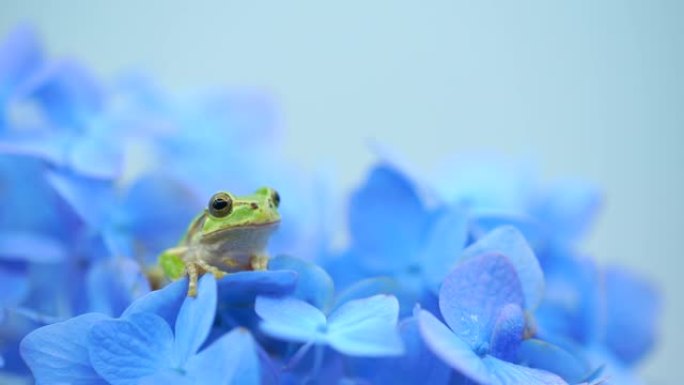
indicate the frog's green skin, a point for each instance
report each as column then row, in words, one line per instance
column 226, row 240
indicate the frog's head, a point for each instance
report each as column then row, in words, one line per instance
column 226, row 211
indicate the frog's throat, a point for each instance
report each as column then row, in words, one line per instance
column 265, row 225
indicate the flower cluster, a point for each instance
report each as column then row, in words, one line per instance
column 473, row 277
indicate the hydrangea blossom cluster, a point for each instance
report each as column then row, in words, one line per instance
column 474, row 277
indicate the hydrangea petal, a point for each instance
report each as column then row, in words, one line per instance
column 366, row 327
column 485, row 181
column 123, row 351
column 58, row 353
column 195, row 319
column 508, row 241
column 506, row 373
column 113, row 284
column 444, row 244
column 92, row 199
column 95, row 156
column 348, row 268
column 543, row 355
column 14, row 286
column 20, row 55
column 168, row 376
column 152, row 200
column 67, row 92
column 632, row 309
column 366, row 288
column 475, row 292
column 314, row 285
column 417, row 366
column 614, row 372
column 290, row 318
column 30, row 246
column 387, row 218
column 243, row 287
column 118, row 241
column 165, row 302
column 24, row 184
column 572, row 303
column 450, row 348
column 232, row 359
column 48, row 147
column 508, row 332
column 569, row 207
column 485, row 221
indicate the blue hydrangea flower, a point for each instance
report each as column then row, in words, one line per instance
column 578, row 292
column 113, row 284
column 14, row 286
column 128, row 224
column 633, row 308
column 50, row 109
column 483, row 304
column 499, row 191
column 238, row 292
column 395, row 234
column 141, row 346
column 351, row 325
column 364, row 327
column 20, row 56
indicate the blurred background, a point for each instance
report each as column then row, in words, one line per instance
column 585, row 89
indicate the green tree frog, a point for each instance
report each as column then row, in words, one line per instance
column 230, row 235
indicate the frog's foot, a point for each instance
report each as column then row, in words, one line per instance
column 218, row 274
column 196, row 268
column 258, row 262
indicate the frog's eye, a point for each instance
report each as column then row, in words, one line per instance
column 275, row 197
column 220, row 205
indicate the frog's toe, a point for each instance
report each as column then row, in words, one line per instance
column 215, row 271
column 192, row 291
column 259, row 262
column 193, row 275
column 218, row 274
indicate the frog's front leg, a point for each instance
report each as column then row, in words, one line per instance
column 197, row 267
column 193, row 274
column 259, row 262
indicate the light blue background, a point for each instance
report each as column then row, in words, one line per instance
column 587, row 88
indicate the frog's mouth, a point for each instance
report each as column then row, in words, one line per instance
column 246, row 229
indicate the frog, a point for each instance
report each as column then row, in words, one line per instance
column 231, row 234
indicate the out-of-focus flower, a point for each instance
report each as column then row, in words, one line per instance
column 394, row 234
column 129, row 224
column 50, row 110
column 497, row 191
column 632, row 309
column 20, row 56
column 589, row 311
